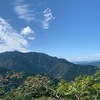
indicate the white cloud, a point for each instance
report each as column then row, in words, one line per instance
column 27, row 31
column 24, row 11
column 10, row 40
column 31, row 38
column 47, row 17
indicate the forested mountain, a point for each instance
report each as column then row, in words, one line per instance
column 39, row 63
column 96, row 63
column 20, row 78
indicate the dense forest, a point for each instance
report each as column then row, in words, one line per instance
column 20, row 86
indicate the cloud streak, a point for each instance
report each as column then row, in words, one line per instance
column 10, row 40
column 47, row 18
column 24, row 12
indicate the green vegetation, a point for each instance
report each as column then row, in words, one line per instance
column 18, row 86
column 37, row 76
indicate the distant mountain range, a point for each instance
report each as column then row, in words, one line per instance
column 94, row 63
column 40, row 63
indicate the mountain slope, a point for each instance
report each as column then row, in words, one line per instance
column 39, row 63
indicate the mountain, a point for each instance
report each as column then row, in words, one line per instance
column 40, row 63
column 4, row 71
column 83, row 62
column 94, row 63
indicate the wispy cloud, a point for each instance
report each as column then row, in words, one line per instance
column 28, row 13
column 27, row 31
column 47, row 18
column 31, row 38
column 24, row 11
column 10, row 40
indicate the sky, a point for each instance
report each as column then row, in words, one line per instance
column 67, row 29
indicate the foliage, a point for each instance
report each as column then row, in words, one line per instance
column 14, row 86
column 82, row 88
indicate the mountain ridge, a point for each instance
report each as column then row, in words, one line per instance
column 40, row 63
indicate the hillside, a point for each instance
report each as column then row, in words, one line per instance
column 40, row 63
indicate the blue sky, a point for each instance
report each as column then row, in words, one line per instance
column 64, row 28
